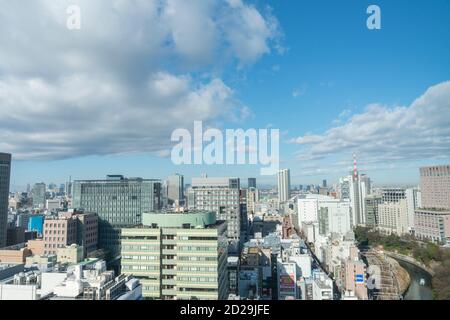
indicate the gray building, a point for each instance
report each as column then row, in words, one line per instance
column 284, row 185
column 222, row 196
column 119, row 202
column 371, row 203
column 393, row 194
column 38, row 194
column 175, row 188
column 5, row 173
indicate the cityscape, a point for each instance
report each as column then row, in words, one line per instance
column 223, row 238
column 245, row 151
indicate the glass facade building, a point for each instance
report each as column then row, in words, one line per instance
column 119, row 202
column 5, row 173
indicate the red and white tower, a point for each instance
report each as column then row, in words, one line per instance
column 355, row 168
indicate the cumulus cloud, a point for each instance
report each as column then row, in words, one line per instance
column 132, row 74
column 383, row 134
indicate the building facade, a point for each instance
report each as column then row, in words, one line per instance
column 119, row 202
column 38, row 194
column 284, row 185
column 178, row 256
column 435, row 187
column 5, row 173
column 220, row 195
column 175, row 188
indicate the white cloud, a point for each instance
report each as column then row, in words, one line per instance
column 122, row 83
column 384, row 134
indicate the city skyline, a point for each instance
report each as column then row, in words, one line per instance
column 343, row 89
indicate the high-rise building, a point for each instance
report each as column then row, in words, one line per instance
column 251, row 183
column 435, row 187
column 220, row 195
column 252, row 199
column 355, row 188
column 119, row 202
column 5, row 172
column 334, row 216
column 175, row 185
column 179, row 256
column 284, row 185
column 324, row 184
column 38, row 194
column 371, row 205
column 414, row 202
column 432, row 219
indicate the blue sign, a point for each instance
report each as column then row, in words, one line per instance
column 359, row 278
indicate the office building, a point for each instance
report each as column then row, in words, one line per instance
column 371, row 204
column 414, row 202
column 175, row 189
column 251, row 183
column 220, row 195
column 70, row 228
column 119, row 202
column 334, row 217
column 393, row 195
column 5, row 173
column 284, row 185
column 38, row 195
column 252, row 199
column 355, row 188
column 178, row 255
column 59, row 232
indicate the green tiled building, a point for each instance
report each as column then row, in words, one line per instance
column 178, row 256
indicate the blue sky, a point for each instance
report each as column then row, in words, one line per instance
column 311, row 70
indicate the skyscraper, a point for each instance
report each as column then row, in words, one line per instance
column 119, row 202
column 371, row 206
column 251, row 183
column 284, row 185
column 220, row 195
column 5, row 173
column 175, row 185
column 38, row 193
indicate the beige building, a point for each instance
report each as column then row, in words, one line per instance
column 58, row 233
column 393, row 217
column 14, row 254
column 36, row 246
column 71, row 228
column 70, row 254
column 432, row 225
column 435, row 187
column 354, row 271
